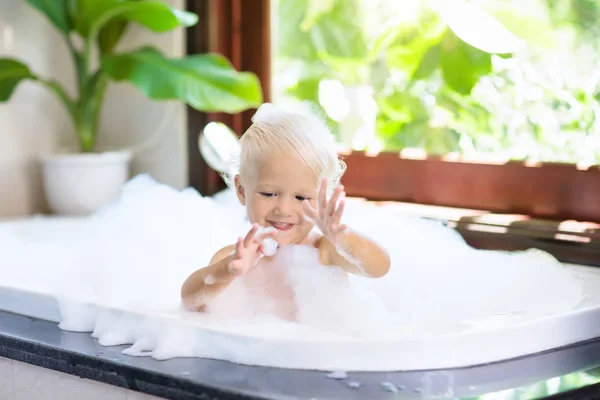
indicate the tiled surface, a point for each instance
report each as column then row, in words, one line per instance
column 31, row 382
column 131, row 395
column 6, row 379
column 21, row 381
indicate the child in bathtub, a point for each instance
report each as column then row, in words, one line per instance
column 286, row 168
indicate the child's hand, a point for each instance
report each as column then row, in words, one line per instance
column 249, row 250
column 327, row 217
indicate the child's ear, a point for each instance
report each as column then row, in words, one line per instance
column 239, row 190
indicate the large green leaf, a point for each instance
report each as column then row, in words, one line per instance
column 12, row 72
column 462, row 64
column 428, row 64
column 110, row 35
column 72, row 8
column 413, row 40
column 56, row 11
column 206, row 82
column 154, row 15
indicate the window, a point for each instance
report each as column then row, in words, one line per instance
column 446, row 78
column 247, row 33
column 459, row 109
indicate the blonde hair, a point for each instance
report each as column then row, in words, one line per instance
column 299, row 133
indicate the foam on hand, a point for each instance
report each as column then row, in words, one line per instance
column 270, row 245
column 134, row 254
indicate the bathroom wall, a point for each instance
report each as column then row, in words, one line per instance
column 21, row 381
column 34, row 122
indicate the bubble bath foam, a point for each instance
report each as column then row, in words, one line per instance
column 117, row 274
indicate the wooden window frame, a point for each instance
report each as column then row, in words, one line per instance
column 540, row 196
column 240, row 31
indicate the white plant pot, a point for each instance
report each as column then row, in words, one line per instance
column 80, row 183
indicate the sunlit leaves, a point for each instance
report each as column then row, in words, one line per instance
column 473, row 25
column 314, row 10
column 413, row 41
column 462, row 64
column 442, row 77
column 316, row 35
column 529, row 20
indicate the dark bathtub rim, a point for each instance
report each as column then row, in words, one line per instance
column 42, row 343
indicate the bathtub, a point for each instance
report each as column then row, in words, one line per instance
column 461, row 348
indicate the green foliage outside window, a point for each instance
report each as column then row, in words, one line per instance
column 437, row 92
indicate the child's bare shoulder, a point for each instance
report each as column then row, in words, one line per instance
column 323, row 246
column 221, row 254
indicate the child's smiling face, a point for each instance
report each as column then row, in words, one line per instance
column 274, row 194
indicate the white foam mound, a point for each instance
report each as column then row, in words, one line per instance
column 134, row 255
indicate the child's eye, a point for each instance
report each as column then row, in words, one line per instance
column 302, row 198
column 267, row 194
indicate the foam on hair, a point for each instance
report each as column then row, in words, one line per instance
column 300, row 132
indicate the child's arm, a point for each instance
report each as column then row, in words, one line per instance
column 341, row 246
column 205, row 284
column 355, row 254
column 202, row 286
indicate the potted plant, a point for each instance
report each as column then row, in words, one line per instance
column 80, row 181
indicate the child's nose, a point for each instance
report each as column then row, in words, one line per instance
column 285, row 207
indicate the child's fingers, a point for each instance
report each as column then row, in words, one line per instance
column 339, row 211
column 235, row 264
column 323, row 198
column 234, row 267
column 239, row 247
column 250, row 235
column 324, row 185
column 334, row 200
column 308, row 210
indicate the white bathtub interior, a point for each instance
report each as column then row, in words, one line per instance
column 163, row 334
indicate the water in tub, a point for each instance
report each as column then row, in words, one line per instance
column 133, row 256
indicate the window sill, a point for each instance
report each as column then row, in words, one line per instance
column 569, row 241
column 544, row 191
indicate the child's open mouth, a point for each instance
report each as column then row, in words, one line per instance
column 281, row 226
